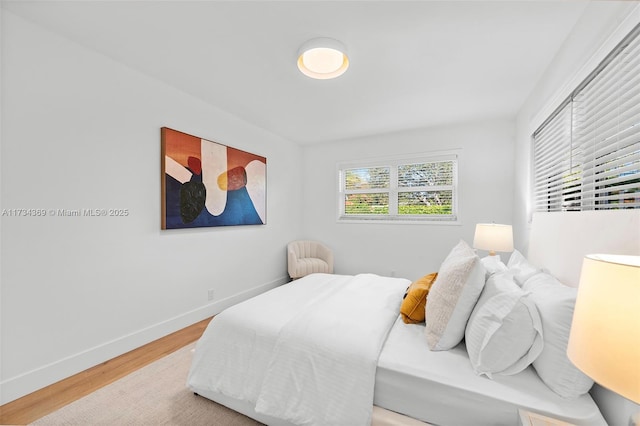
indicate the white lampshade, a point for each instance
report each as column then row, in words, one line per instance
column 493, row 237
column 323, row 58
column 605, row 333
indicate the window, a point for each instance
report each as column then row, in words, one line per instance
column 587, row 154
column 403, row 189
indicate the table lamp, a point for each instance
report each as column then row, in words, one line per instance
column 604, row 342
column 493, row 237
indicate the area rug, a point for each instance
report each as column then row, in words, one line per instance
column 154, row 395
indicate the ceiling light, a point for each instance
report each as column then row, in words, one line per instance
column 323, row 58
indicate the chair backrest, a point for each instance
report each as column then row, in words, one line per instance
column 307, row 248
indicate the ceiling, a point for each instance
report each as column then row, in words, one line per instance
column 413, row 64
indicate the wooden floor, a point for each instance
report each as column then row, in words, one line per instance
column 44, row 401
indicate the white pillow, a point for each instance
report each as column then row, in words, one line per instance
column 493, row 265
column 452, row 297
column 504, row 333
column 521, row 268
column 555, row 302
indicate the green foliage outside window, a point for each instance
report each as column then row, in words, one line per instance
column 425, row 202
column 367, row 204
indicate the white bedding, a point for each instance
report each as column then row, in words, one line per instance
column 442, row 388
column 330, row 327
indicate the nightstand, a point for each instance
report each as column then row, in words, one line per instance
column 528, row 418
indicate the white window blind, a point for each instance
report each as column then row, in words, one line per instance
column 416, row 188
column 587, row 155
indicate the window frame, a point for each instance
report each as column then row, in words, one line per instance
column 393, row 162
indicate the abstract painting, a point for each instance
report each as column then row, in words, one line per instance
column 208, row 184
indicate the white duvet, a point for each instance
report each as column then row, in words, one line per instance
column 305, row 352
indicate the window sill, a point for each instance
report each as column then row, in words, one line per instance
column 397, row 221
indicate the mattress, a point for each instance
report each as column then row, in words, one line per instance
column 442, row 389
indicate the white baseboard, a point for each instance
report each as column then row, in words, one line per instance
column 31, row 381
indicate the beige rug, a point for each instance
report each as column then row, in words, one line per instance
column 154, row 395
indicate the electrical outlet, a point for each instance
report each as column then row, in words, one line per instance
column 393, row 273
column 210, row 294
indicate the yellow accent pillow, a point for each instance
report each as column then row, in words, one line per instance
column 415, row 299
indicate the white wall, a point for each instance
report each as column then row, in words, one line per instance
column 576, row 59
column 411, row 250
column 81, row 131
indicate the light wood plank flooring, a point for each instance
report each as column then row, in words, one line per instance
column 44, row 401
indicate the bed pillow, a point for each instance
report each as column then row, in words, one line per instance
column 504, row 332
column 555, row 302
column 521, row 268
column 413, row 304
column 452, row 297
column 493, row 265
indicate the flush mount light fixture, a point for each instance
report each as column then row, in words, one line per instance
column 323, row 58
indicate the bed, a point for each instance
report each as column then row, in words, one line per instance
column 332, row 349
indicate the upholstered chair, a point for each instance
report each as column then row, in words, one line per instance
column 305, row 257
